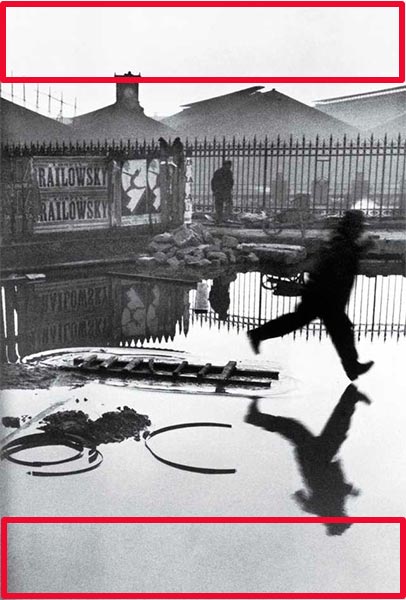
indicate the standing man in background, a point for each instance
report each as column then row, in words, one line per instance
column 222, row 185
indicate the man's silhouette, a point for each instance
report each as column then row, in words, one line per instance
column 222, row 185
column 323, row 476
column 219, row 296
column 326, row 294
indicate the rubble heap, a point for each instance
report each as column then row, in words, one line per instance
column 195, row 246
column 112, row 426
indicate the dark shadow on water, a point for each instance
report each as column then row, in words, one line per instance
column 326, row 488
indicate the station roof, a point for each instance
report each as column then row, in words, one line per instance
column 392, row 128
column 368, row 110
column 21, row 125
column 115, row 122
column 251, row 112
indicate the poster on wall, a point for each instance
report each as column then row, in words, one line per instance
column 188, row 192
column 73, row 193
column 141, row 193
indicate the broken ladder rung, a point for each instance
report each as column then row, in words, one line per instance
column 109, row 362
column 183, row 371
column 181, row 367
column 228, row 370
column 205, row 369
column 88, row 361
column 133, row 364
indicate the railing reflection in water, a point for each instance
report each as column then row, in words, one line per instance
column 94, row 311
column 109, row 311
column 376, row 306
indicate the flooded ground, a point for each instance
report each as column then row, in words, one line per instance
column 275, row 465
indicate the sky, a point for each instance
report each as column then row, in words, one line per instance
column 195, row 42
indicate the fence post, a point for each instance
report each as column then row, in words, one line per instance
column 265, row 172
column 385, row 141
column 402, row 199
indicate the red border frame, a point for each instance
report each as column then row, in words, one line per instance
column 215, row 3
column 162, row 595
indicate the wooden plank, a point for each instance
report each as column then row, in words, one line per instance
column 198, row 370
column 133, row 364
column 217, row 369
column 204, row 370
column 88, row 361
column 106, row 364
column 176, row 372
column 188, row 368
column 159, row 376
column 228, row 370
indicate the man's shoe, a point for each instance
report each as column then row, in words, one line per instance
column 254, row 341
column 359, row 369
column 364, row 367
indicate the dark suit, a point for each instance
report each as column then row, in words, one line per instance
column 325, row 295
column 222, row 185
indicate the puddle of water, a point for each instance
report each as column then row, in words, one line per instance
column 272, row 476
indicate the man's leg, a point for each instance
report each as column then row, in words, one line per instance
column 341, row 331
column 228, row 207
column 292, row 430
column 303, row 314
column 219, row 207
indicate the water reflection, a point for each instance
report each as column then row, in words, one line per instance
column 326, row 488
column 219, row 296
column 99, row 311
column 375, row 307
column 112, row 311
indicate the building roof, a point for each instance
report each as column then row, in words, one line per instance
column 252, row 113
column 392, row 128
column 223, row 99
column 21, row 125
column 115, row 122
column 368, row 110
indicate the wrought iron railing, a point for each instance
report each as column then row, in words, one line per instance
column 376, row 307
column 101, row 311
column 269, row 174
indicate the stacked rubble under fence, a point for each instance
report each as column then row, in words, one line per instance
column 195, row 246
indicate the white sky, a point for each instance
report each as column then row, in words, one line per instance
column 197, row 42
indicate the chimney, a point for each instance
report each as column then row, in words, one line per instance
column 127, row 93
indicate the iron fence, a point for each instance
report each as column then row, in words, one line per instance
column 330, row 176
column 376, row 307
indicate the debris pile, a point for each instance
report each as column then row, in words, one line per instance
column 112, row 426
column 194, row 246
column 15, row 422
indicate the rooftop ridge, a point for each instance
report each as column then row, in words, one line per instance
column 342, row 99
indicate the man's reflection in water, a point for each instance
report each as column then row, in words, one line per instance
column 327, row 489
column 219, row 296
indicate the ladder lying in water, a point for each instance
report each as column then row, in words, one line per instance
column 180, row 371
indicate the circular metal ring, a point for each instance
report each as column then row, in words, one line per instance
column 37, row 440
column 205, row 470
